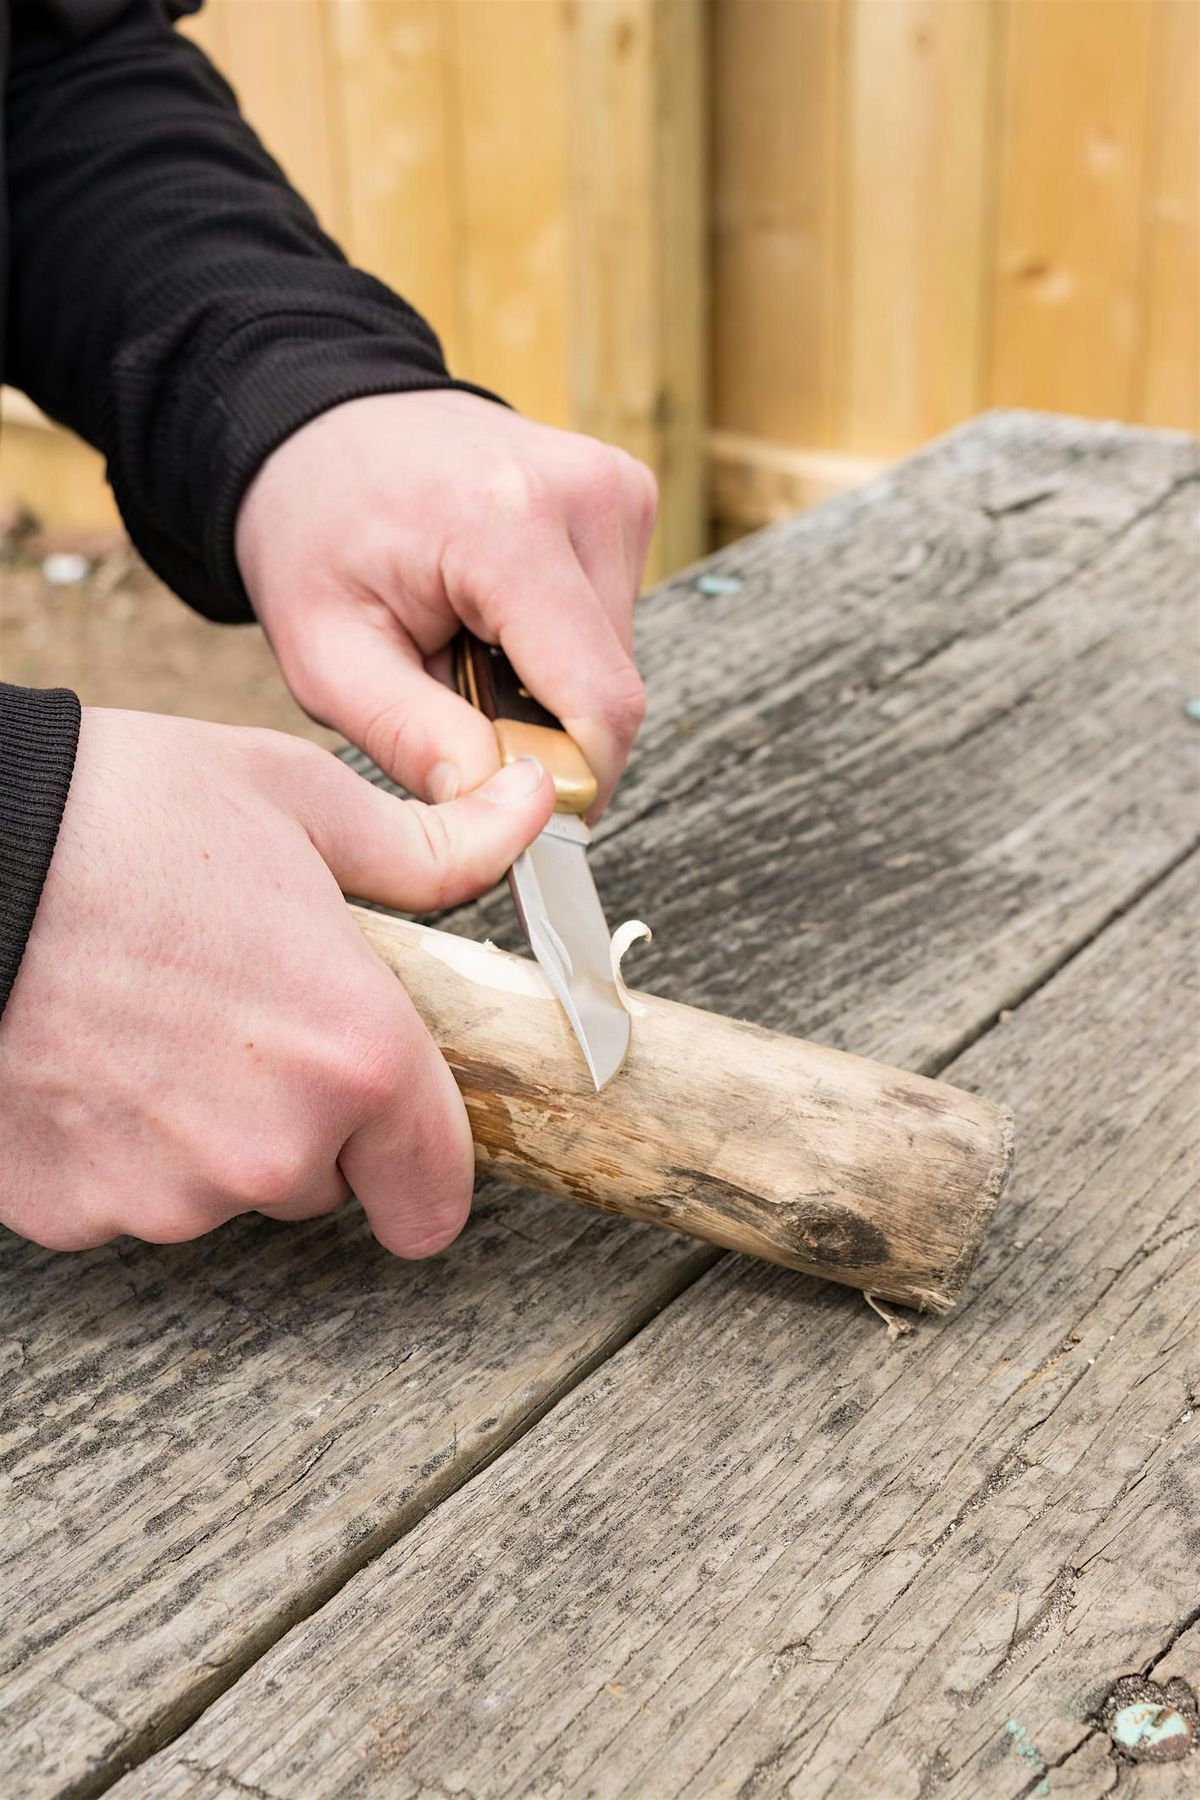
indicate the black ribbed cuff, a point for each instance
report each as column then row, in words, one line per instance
column 39, row 733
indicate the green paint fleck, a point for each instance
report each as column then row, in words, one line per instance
column 716, row 585
column 1192, row 709
column 1145, row 1723
column 1029, row 1753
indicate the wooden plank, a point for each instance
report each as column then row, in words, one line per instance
column 275, row 55
column 1073, row 143
column 761, row 1551
column 777, row 111
column 212, row 1438
column 510, row 76
column 48, row 470
column 206, row 1440
column 1167, row 390
column 207, row 28
column 391, row 73
column 753, row 482
column 637, row 326
column 920, row 75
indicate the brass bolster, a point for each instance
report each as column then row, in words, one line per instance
column 558, row 753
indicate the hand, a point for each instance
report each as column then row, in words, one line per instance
column 197, row 1027
column 370, row 535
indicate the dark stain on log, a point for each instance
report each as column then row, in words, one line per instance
column 836, row 1235
column 919, row 1099
column 822, row 1230
column 481, row 1079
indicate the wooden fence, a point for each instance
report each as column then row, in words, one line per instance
column 766, row 244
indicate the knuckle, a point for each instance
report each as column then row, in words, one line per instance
column 373, row 1072
column 648, row 485
column 68, row 1234
column 436, row 848
column 640, row 488
column 308, row 689
column 282, row 759
column 600, row 474
column 268, row 1176
column 178, row 1224
column 429, row 1241
column 625, row 703
column 389, row 738
column 378, row 1051
column 517, row 489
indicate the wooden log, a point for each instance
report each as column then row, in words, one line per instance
column 787, row 1150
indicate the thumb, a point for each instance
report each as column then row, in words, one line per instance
column 369, row 681
column 418, row 858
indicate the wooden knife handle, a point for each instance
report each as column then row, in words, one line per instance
column 485, row 677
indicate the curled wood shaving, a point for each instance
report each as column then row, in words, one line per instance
column 622, row 937
column 896, row 1326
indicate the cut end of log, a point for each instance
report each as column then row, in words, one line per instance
column 995, row 1182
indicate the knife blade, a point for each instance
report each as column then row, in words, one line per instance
column 552, row 886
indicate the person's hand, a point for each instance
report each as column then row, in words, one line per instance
column 374, row 531
column 198, row 1029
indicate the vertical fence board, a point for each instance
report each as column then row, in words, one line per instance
column 49, row 472
column 679, row 112
column 776, row 86
column 276, row 57
column 638, row 290
column 400, row 204
column 917, row 207
column 510, row 65
column 207, row 28
column 1167, row 378
column 1073, row 127
column 919, row 81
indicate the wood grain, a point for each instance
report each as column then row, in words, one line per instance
column 762, row 1552
column 920, row 130
column 638, row 279
column 508, row 68
column 752, row 482
column 1167, row 373
column 392, row 71
column 932, row 741
column 713, row 1127
column 776, row 218
column 277, row 59
column 1068, row 230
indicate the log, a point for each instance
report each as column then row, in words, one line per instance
column 786, row 1150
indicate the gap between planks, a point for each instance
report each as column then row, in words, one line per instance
column 183, row 1718
column 981, row 1469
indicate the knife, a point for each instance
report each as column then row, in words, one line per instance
column 552, row 886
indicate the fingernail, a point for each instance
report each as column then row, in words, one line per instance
column 445, row 779
column 516, row 781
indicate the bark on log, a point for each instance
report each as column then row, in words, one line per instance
column 786, row 1150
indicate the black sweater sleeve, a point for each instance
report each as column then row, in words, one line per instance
column 171, row 297
column 173, row 300
column 39, row 729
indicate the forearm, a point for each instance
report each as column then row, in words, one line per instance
column 173, row 299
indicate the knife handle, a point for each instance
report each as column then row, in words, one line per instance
column 484, row 676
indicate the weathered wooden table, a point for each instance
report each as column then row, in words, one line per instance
column 583, row 1508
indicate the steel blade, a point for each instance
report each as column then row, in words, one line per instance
column 561, row 915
